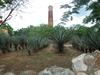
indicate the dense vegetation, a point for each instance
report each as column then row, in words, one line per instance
column 93, row 6
column 35, row 38
column 85, row 39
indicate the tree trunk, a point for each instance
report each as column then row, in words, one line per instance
column 60, row 47
column 29, row 52
column 16, row 48
column 3, row 50
column 25, row 45
column 22, row 45
column 11, row 45
column 8, row 50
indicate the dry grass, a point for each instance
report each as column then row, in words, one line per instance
column 18, row 61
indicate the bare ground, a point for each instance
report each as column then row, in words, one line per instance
column 20, row 60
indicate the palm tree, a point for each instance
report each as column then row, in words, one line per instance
column 90, row 42
column 44, row 42
column 3, row 43
column 23, row 41
column 60, row 36
column 80, row 43
column 36, row 43
column 16, row 41
column 94, row 40
column 8, row 42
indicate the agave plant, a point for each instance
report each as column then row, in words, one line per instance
column 16, row 41
column 8, row 43
column 94, row 40
column 75, row 40
column 90, row 42
column 29, row 46
column 60, row 37
column 23, row 41
column 33, row 44
column 3, row 43
column 36, row 43
column 44, row 42
column 80, row 43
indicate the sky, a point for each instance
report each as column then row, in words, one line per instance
column 36, row 13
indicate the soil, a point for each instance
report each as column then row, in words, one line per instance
column 19, row 61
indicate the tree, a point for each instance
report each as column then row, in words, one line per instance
column 8, row 27
column 60, row 36
column 80, row 30
column 94, row 40
column 76, row 5
column 22, row 31
column 5, row 42
column 93, row 17
column 36, row 43
column 87, row 43
column 15, row 41
column 1, row 32
column 43, row 30
column 10, row 6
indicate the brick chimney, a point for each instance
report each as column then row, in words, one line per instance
column 50, row 15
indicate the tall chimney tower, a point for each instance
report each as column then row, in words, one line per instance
column 50, row 15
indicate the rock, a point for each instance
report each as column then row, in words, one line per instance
column 81, row 73
column 28, row 72
column 9, row 73
column 2, row 66
column 85, row 64
column 89, row 60
column 95, row 53
column 45, row 72
column 1, row 71
column 97, row 72
column 54, row 70
column 78, row 63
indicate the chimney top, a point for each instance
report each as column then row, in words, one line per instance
column 50, row 6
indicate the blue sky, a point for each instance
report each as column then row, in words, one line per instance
column 37, row 13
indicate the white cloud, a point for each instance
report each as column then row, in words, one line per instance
column 38, row 13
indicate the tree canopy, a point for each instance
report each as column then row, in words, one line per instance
column 10, row 6
column 8, row 27
column 76, row 5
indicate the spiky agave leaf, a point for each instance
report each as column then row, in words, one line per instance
column 29, row 43
column 60, row 36
column 23, row 40
column 94, row 40
column 15, row 40
column 2, row 41
column 44, row 42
